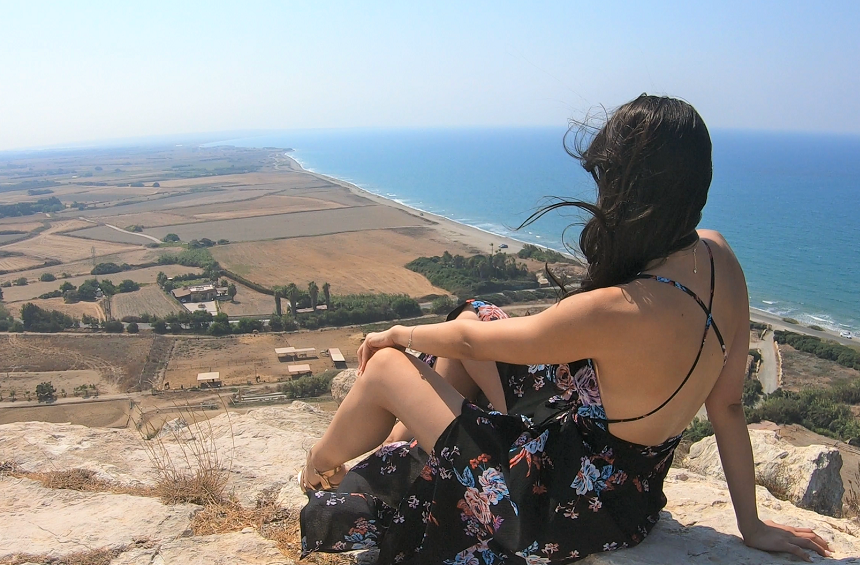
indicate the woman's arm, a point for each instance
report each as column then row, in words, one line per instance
column 568, row 330
column 726, row 413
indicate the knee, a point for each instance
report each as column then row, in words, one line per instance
column 385, row 366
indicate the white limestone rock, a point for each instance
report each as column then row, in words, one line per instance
column 809, row 476
column 55, row 522
column 237, row 548
column 342, row 383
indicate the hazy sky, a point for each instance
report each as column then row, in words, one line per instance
column 83, row 71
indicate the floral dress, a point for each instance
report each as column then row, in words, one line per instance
column 546, row 483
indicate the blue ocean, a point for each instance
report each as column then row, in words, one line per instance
column 788, row 203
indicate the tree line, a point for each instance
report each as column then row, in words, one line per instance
column 469, row 276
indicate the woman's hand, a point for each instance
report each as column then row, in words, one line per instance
column 372, row 343
column 770, row 536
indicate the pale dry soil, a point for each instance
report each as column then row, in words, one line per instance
column 802, row 370
column 119, row 359
column 242, row 358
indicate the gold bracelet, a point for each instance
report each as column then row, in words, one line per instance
column 409, row 343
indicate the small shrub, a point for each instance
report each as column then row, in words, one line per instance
column 47, row 277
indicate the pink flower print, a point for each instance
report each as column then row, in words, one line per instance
column 564, row 381
column 594, row 504
column 479, row 505
column 585, row 382
column 550, row 548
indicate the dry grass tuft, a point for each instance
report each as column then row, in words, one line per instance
column 194, row 472
column 83, row 480
column 89, row 557
column 778, row 484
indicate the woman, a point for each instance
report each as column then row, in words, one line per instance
column 598, row 388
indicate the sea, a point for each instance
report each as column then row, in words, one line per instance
column 788, row 203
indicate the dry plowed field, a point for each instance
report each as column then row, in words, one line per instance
column 84, row 266
column 297, row 224
column 145, row 219
column 370, row 261
column 249, row 302
column 148, row 300
column 63, row 248
column 111, row 414
column 24, row 223
column 265, row 206
column 17, row 263
column 76, row 310
column 118, row 359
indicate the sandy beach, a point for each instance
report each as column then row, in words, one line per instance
column 463, row 234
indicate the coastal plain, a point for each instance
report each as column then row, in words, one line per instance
column 274, row 223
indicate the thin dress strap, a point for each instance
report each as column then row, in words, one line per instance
column 709, row 323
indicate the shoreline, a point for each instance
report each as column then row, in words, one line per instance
column 451, row 229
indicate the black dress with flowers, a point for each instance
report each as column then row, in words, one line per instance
column 546, row 483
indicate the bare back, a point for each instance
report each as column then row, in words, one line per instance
column 658, row 333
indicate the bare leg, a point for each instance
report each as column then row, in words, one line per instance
column 394, row 385
column 468, row 378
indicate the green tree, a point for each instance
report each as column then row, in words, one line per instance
column 88, row 289
column 293, row 293
column 128, row 285
column 170, row 238
column 161, row 278
column 1, row 294
column 159, row 327
column 47, row 277
column 313, row 292
column 114, row 327
column 231, row 291
column 67, row 286
column 22, row 281
column 326, row 288
column 132, row 328
column 278, row 293
column 107, row 287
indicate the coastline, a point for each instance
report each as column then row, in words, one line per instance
column 450, row 229
column 778, row 323
column 480, row 240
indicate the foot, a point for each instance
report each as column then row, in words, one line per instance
column 310, row 479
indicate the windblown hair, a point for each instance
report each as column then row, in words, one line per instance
column 651, row 161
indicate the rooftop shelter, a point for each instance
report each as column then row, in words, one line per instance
column 209, row 380
column 295, row 353
column 299, row 370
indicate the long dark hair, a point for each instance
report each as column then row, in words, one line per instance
column 651, row 161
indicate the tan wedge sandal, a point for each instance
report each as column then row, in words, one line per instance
column 325, row 483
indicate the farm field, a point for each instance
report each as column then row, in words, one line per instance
column 20, row 223
column 143, row 276
column 104, row 233
column 118, row 359
column 76, row 310
column 240, row 359
column 298, row 224
column 264, row 206
column 9, row 237
column 248, row 302
column 84, row 266
column 18, row 263
column 148, row 300
column 94, row 413
column 351, row 263
column 61, row 380
column 63, row 248
column 146, row 219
